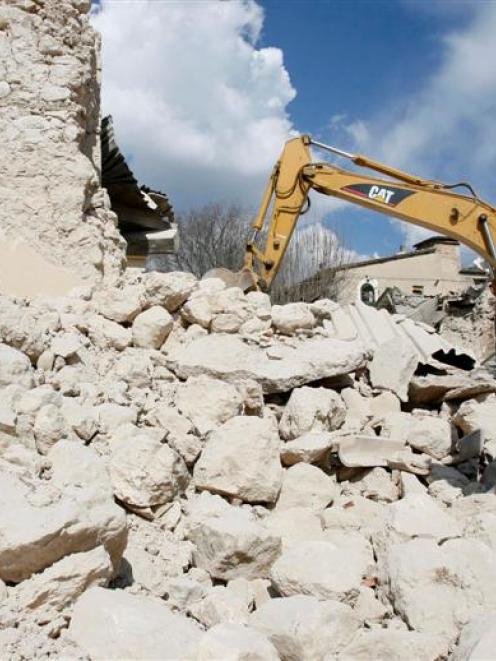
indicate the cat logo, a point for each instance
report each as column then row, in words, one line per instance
column 381, row 194
column 391, row 196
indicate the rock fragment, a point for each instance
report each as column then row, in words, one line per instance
column 37, row 528
column 208, row 402
column 311, row 409
column 49, row 427
column 311, row 448
column 297, row 524
column 151, row 328
column 473, row 415
column 169, row 290
column 220, row 605
column 419, row 575
column 113, row 624
column 304, row 485
column 314, row 359
column 319, row 569
column 477, row 640
column 15, row 367
column 394, row 645
column 241, row 459
column 145, row 472
column 236, row 642
column 229, row 542
column 306, row 628
column 121, row 305
column 290, row 317
column 60, row 585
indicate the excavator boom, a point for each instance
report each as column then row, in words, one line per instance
column 430, row 204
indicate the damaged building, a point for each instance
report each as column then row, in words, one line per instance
column 146, row 216
column 58, row 226
column 426, row 284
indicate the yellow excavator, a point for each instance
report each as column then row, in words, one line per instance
column 431, row 204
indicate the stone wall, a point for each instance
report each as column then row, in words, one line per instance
column 56, row 227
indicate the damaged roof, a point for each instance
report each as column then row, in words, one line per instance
column 374, row 327
column 139, row 208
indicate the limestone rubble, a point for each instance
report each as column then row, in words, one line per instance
column 201, row 493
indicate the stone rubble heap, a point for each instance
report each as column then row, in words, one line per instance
column 188, row 472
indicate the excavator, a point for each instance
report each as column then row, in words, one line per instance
column 423, row 202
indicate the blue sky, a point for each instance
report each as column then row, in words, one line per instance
column 357, row 59
column 350, row 57
column 204, row 93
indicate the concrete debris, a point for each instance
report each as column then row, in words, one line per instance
column 305, row 362
column 365, row 451
column 393, row 375
column 236, row 491
column 190, row 472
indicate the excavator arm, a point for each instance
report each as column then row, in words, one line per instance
column 422, row 202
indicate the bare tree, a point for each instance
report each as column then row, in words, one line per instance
column 314, row 266
column 210, row 236
column 215, row 235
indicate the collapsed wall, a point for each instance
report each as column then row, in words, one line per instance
column 56, row 227
column 473, row 325
column 189, row 472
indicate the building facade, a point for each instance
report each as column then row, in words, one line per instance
column 432, row 268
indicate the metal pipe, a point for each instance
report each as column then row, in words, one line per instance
column 488, row 237
column 334, row 150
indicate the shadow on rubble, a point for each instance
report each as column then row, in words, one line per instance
column 470, row 472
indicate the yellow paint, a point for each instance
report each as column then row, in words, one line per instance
column 431, row 206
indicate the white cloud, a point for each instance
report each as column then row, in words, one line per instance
column 199, row 109
column 359, row 131
column 447, row 130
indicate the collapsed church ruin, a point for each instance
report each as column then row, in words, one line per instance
column 146, row 217
column 59, row 227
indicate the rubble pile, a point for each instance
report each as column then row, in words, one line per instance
column 473, row 324
column 189, row 472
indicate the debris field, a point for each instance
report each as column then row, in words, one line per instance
column 188, row 472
